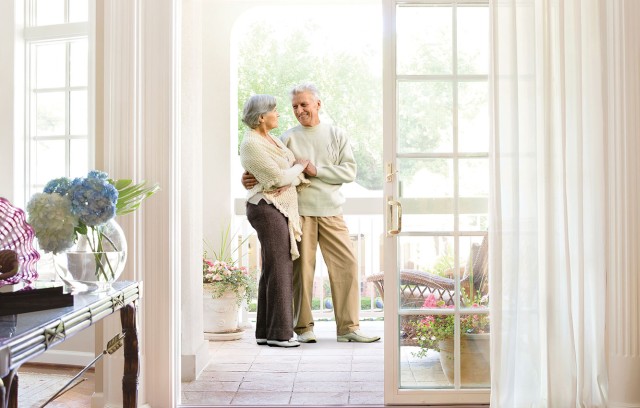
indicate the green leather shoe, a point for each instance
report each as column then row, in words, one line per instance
column 358, row 337
column 307, row 337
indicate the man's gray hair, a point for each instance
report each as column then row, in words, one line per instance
column 305, row 87
column 256, row 106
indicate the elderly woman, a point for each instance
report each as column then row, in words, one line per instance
column 272, row 210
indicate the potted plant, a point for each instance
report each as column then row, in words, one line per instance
column 222, row 279
column 225, row 286
column 436, row 332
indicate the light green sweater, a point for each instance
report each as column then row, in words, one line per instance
column 328, row 148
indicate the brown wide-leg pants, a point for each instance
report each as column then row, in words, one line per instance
column 332, row 235
column 274, row 317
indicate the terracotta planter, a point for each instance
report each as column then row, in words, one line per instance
column 474, row 360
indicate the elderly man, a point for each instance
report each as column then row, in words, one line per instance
column 331, row 163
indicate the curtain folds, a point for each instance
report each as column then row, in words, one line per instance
column 548, row 251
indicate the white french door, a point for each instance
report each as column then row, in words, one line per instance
column 436, row 161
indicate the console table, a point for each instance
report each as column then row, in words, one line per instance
column 35, row 332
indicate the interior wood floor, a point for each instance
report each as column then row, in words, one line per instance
column 76, row 397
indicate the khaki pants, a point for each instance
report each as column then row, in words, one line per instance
column 332, row 235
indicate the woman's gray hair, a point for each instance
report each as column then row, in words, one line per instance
column 256, row 106
column 305, row 87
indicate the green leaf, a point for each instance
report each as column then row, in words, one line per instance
column 81, row 229
column 227, row 249
column 131, row 195
column 121, row 183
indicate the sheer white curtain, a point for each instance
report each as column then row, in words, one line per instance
column 548, row 247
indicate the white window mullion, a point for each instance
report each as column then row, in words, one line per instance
column 56, row 32
column 48, row 97
column 42, row 36
column 67, row 101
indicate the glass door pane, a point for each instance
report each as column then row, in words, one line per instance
column 437, row 171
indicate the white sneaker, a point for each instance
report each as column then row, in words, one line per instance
column 283, row 343
column 261, row 342
column 307, row 337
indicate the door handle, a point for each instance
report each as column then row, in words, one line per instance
column 398, row 219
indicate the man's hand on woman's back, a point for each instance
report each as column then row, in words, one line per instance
column 248, row 181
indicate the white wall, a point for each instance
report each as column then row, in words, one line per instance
column 218, row 18
column 195, row 350
column 10, row 107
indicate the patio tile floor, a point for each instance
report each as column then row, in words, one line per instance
column 325, row 373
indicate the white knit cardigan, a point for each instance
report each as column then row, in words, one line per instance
column 267, row 162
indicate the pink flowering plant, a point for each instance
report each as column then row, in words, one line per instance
column 432, row 329
column 221, row 275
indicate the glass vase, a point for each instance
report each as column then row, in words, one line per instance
column 95, row 261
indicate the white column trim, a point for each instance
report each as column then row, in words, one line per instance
column 12, row 141
column 141, row 141
column 623, row 314
column 8, row 98
column 194, row 351
column 117, row 154
column 160, row 161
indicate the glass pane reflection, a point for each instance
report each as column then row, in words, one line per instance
column 427, row 358
column 49, row 12
column 421, row 363
column 425, row 117
column 78, row 10
column 49, row 160
column 78, row 113
column 51, row 65
column 79, row 63
column 473, row 117
column 424, row 37
column 473, row 40
column 426, row 193
column 474, row 361
column 79, row 166
column 50, row 114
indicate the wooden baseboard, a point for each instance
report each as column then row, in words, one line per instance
column 64, row 357
column 55, row 367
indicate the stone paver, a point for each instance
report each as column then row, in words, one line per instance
column 324, row 373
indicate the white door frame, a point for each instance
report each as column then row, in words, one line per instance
column 393, row 394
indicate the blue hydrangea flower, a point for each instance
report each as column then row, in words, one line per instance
column 93, row 199
column 98, row 175
column 60, row 186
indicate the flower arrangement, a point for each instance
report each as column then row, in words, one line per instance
column 221, row 275
column 68, row 210
column 431, row 330
column 222, row 278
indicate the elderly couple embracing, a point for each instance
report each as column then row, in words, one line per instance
column 294, row 204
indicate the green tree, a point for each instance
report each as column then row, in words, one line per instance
column 275, row 54
column 273, row 60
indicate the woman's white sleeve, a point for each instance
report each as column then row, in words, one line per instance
column 290, row 176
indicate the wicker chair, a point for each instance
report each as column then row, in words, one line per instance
column 416, row 285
